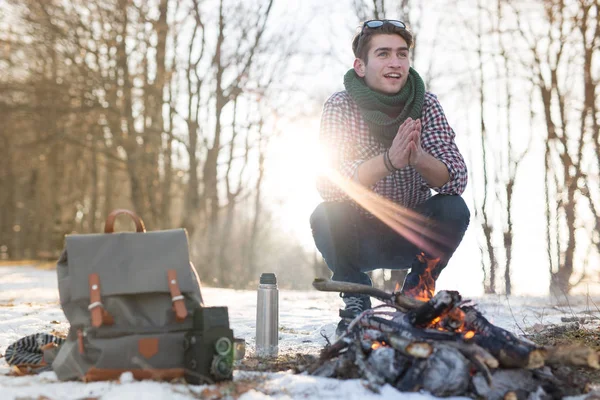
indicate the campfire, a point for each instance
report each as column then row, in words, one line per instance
column 442, row 344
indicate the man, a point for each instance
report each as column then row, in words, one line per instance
column 387, row 134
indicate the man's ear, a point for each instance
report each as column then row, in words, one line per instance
column 359, row 67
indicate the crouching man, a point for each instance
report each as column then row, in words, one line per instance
column 387, row 134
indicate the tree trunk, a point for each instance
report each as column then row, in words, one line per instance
column 209, row 178
column 153, row 138
column 130, row 136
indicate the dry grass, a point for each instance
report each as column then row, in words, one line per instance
column 295, row 362
column 40, row 264
column 572, row 334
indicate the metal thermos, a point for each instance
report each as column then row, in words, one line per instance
column 267, row 316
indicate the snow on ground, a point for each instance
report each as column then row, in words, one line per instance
column 29, row 304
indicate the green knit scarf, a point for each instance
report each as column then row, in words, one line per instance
column 385, row 113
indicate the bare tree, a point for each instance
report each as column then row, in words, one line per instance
column 553, row 59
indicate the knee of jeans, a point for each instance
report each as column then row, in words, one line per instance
column 319, row 219
column 455, row 209
column 327, row 214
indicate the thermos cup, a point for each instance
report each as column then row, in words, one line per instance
column 267, row 316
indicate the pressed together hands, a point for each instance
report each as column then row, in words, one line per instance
column 406, row 148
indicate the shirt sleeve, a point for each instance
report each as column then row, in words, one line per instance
column 338, row 146
column 437, row 139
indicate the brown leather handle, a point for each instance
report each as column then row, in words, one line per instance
column 109, row 226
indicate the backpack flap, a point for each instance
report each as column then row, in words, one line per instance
column 101, row 266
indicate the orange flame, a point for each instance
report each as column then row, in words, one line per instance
column 458, row 316
column 469, row 334
column 426, row 287
column 375, row 345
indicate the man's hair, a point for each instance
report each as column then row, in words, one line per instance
column 362, row 40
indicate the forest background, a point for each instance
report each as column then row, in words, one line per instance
column 204, row 114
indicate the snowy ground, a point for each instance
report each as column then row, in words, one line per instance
column 29, row 304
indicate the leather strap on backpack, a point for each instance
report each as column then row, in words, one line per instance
column 98, row 313
column 176, row 296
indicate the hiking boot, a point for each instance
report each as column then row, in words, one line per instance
column 355, row 304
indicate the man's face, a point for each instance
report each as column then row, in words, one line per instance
column 387, row 69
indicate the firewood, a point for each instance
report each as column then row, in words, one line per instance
column 397, row 299
column 572, row 355
column 383, row 362
column 412, row 379
column 410, row 347
column 506, row 347
column 510, row 395
column 505, row 380
column 448, row 373
column 375, row 380
column 326, row 285
column 404, row 329
column 480, row 358
column 333, row 350
column 478, row 352
column 325, row 370
column 439, row 304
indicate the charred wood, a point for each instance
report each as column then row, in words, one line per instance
column 412, row 380
column 334, row 349
column 403, row 328
column 375, row 380
column 511, row 351
column 347, row 369
column 439, row 305
column 326, row 369
column 437, row 346
column 383, row 362
column 479, row 358
column 514, row 382
column 472, row 350
column 447, row 373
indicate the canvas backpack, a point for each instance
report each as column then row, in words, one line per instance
column 129, row 298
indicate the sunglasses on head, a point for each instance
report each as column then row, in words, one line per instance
column 378, row 23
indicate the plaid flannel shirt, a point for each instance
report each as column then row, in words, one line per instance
column 347, row 143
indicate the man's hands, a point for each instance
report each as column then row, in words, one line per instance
column 406, row 148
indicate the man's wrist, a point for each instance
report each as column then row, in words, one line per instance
column 420, row 161
column 388, row 163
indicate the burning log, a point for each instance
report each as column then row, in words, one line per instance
column 511, row 351
column 403, row 328
column 440, row 304
column 438, row 345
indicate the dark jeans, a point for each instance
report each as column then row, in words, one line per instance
column 353, row 244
